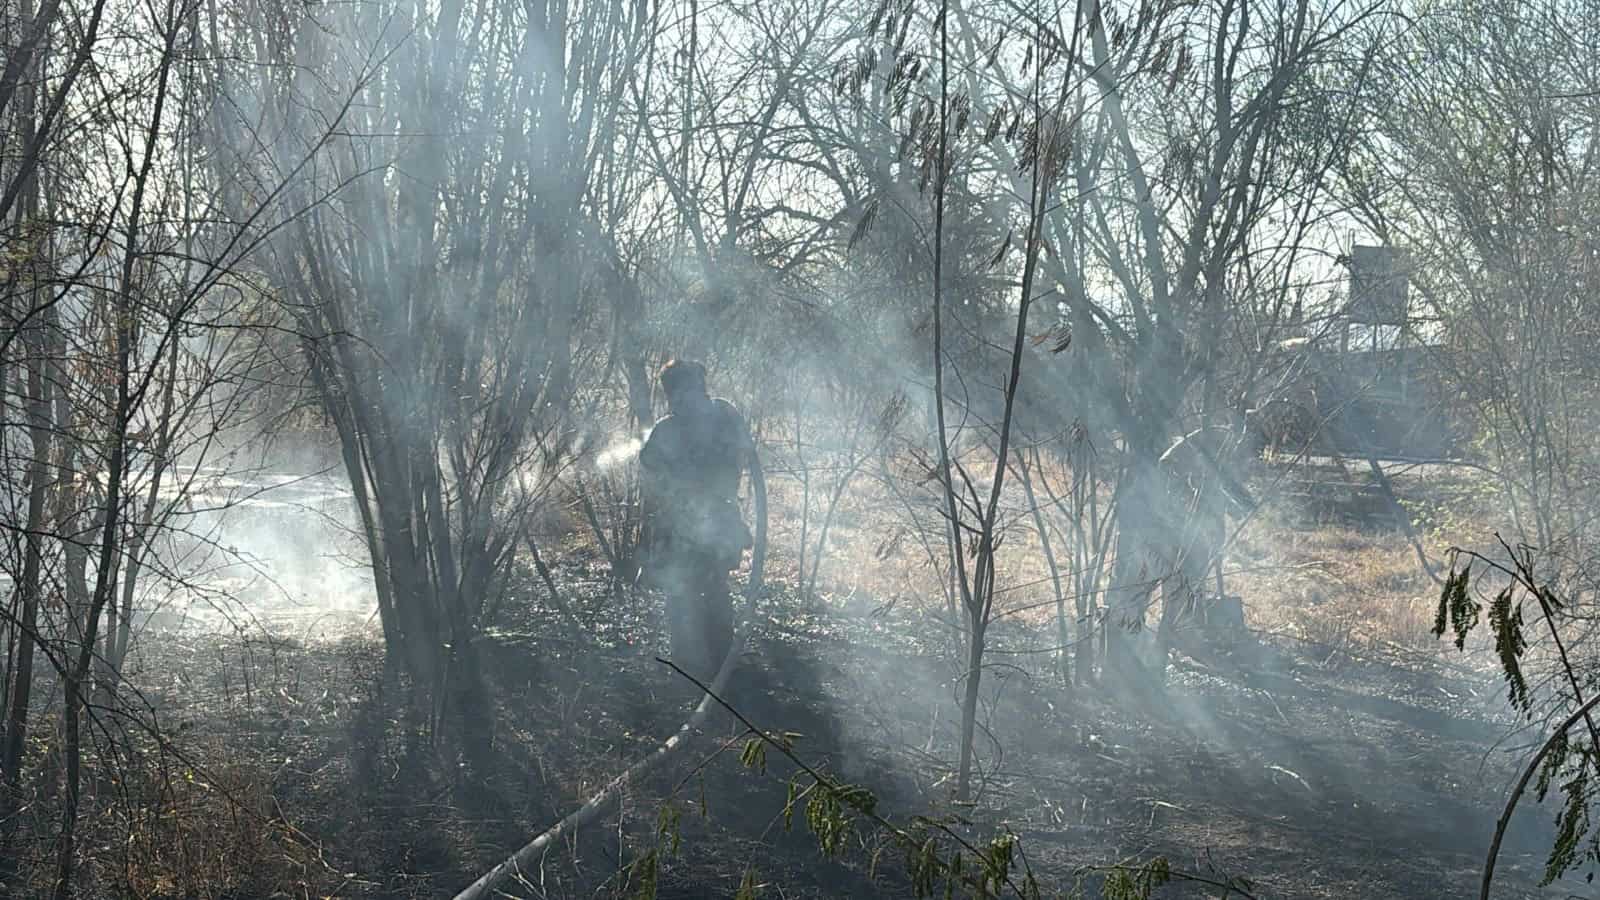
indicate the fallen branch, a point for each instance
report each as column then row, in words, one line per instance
column 1381, row 478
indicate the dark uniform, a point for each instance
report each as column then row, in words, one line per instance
column 694, row 460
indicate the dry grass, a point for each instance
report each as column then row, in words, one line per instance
column 1350, row 590
column 886, row 545
column 1364, row 592
column 1343, row 589
column 214, row 834
column 174, row 818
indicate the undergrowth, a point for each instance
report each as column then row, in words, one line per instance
column 936, row 857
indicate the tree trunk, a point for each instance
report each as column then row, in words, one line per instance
column 1138, row 571
column 1042, row 528
column 107, row 568
column 19, row 705
column 40, row 431
column 639, row 391
column 969, row 712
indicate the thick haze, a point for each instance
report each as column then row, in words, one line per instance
column 320, row 317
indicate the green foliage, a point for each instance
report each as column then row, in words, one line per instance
column 998, row 860
column 1460, row 613
column 924, row 866
column 1136, row 882
column 754, row 755
column 645, row 876
column 936, row 855
column 1505, row 620
column 1566, row 757
column 1571, row 826
column 789, row 803
column 1573, row 822
column 829, row 819
column 1457, row 608
column 667, row 826
column 645, row 873
column 937, row 861
column 1553, row 764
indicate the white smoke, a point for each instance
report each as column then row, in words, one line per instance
column 621, row 450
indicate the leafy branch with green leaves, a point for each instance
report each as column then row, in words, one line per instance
column 1571, row 763
column 939, row 861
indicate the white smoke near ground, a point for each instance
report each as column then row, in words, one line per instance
column 260, row 542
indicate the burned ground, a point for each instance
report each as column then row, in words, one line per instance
column 1312, row 775
column 1340, row 751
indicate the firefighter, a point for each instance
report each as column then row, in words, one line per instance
column 693, row 462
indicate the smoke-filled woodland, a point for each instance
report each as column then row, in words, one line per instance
column 799, row 448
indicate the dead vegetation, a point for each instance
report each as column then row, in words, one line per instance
column 1344, row 756
column 1019, row 583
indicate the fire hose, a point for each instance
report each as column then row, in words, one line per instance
column 598, row 804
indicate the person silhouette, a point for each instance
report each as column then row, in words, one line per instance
column 694, row 460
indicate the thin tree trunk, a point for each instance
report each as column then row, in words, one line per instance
column 119, row 631
column 969, row 710
column 805, row 498
column 106, row 574
column 1063, row 635
column 40, row 430
column 19, row 704
column 834, row 497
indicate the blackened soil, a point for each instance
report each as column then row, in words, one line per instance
column 1365, row 781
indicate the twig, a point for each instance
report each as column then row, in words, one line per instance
column 556, row 599
column 712, row 693
column 599, row 530
column 1522, row 784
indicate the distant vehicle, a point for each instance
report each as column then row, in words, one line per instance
column 1367, row 388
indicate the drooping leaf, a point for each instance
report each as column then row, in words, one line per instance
column 877, row 18
column 1571, row 827
column 1457, row 609
column 997, row 120
column 1505, row 619
column 645, row 874
column 1553, row 763
column 1000, row 253
column 869, row 214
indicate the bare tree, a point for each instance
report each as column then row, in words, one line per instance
column 124, row 347
column 1495, row 202
column 440, row 293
